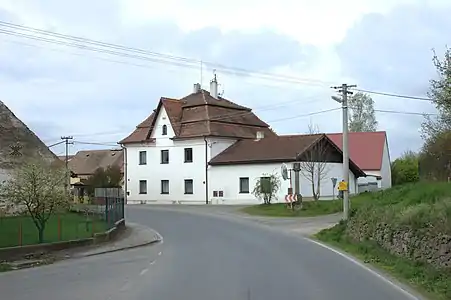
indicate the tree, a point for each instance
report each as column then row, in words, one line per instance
column 440, row 95
column 39, row 187
column 110, row 177
column 405, row 168
column 314, row 163
column 267, row 187
column 362, row 117
column 435, row 157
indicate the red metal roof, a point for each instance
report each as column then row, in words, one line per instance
column 365, row 148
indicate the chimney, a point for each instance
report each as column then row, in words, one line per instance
column 214, row 88
column 196, row 88
column 259, row 135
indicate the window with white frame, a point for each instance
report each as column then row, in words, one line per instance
column 244, row 185
column 143, row 157
column 165, row 187
column 189, row 186
column 143, row 186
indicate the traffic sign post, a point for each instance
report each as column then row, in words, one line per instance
column 334, row 183
column 343, row 186
column 291, row 198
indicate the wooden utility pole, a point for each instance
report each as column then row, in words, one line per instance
column 68, row 141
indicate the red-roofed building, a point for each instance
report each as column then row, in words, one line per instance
column 369, row 150
column 204, row 148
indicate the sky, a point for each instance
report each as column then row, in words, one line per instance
column 306, row 46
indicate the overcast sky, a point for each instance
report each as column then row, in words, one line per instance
column 379, row 45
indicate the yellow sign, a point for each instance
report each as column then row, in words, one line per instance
column 342, row 186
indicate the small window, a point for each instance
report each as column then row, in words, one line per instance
column 215, row 193
column 143, row 157
column 165, row 186
column 164, row 130
column 244, row 185
column 220, row 193
column 188, row 186
column 164, row 156
column 143, row 186
column 188, row 155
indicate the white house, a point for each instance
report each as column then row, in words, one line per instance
column 206, row 149
column 369, row 150
column 167, row 155
column 236, row 170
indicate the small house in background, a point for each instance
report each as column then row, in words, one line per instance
column 369, row 150
column 86, row 162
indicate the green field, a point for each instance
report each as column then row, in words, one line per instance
column 73, row 226
column 310, row 209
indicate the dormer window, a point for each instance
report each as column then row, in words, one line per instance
column 164, row 130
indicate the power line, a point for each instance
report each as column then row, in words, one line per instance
column 165, row 58
column 405, row 112
column 394, row 95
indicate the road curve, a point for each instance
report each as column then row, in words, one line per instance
column 204, row 258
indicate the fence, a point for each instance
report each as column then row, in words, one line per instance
column 21, row 230
column 112, row 199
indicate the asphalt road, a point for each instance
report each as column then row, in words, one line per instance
column 204, row 258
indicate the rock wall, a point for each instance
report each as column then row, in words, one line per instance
column 429, row 244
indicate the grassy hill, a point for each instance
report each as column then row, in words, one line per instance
column 405, row 230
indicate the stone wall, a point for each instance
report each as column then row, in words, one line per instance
column 429, row 244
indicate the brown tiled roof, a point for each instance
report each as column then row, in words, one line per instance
column 199, row 114
column 87, row 161
column 283, row 148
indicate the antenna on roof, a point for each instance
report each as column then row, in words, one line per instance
column 221, row 94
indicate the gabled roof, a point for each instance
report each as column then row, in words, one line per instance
column 85, row 162
column 16, row 137
column 198, row 115
column 282, row 148
column 366, row 149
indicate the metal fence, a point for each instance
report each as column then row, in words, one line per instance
column 112, row 199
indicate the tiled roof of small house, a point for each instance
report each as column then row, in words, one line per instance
column 282, row 148
column 85, row 162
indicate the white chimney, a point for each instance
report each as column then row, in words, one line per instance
column 214, row 88
column 259, row 135
column 196, row 88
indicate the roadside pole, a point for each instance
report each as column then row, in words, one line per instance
column 344, row 185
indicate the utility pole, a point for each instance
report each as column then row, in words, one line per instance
column 66, row 140
column 344, row 90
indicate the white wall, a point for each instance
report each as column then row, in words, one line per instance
column 226, row 178
column 218, row 145
column 386, row 168
column 176, row 171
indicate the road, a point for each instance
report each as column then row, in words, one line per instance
column 204, row 257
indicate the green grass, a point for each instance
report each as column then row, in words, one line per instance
column 5, row 267
column 429, row 281
column 73, row 226
column 310, row 209
column 422, row 208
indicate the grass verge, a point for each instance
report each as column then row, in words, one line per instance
column 310, row 209
column 5, row 267
column 62, row 227
column 431, row 282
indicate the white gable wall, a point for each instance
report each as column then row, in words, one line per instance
column 227, row 179
column 386, row 168
column 176, row 171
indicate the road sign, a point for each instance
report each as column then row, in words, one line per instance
column 291, row 198
column 343, row 186
column 334, row 181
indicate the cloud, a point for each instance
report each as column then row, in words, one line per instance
column 392, row 52
column 100, row 98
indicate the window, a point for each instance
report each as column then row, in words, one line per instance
column 188, row 186
column 143, row 157
column 188, row 155
column 164, row 156
column 143, row 186
column 244, row 185
column 165, row 186
column 164, row 130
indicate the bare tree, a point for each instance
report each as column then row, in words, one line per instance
column 314, row 164
column 39, row 188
